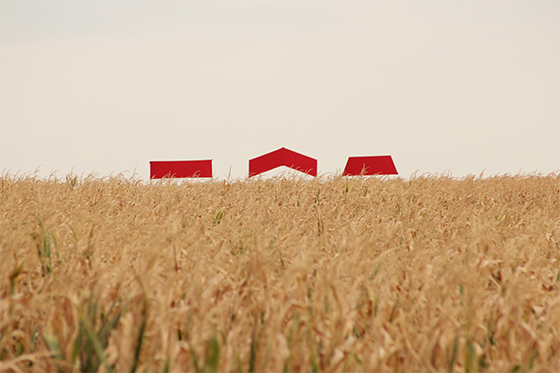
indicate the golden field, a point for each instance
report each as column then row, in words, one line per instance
column 285, row 274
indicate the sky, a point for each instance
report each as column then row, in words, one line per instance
column 444, row 87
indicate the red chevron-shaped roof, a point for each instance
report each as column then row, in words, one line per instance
column 376, row 165
column 180, row 169
column 283, row 157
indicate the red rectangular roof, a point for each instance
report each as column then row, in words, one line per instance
column 180, row 169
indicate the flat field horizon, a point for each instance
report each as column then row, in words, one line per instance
column 328, row 274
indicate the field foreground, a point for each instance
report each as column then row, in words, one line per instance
column 331, row 274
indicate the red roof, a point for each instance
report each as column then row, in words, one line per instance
column 283, row 157
column 180, row 169
column 375, row 165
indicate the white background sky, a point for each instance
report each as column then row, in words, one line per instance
column 442, row 86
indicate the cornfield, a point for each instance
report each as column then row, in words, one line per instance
column 431, row 273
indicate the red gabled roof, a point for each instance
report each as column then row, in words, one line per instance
column 282, row 157
column 180, row 169
column 376, row 165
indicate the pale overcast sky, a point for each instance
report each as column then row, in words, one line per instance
column 442, row 86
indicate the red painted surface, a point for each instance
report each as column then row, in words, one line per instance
column 283, row 157
column 377, row 165
column 179, row 169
